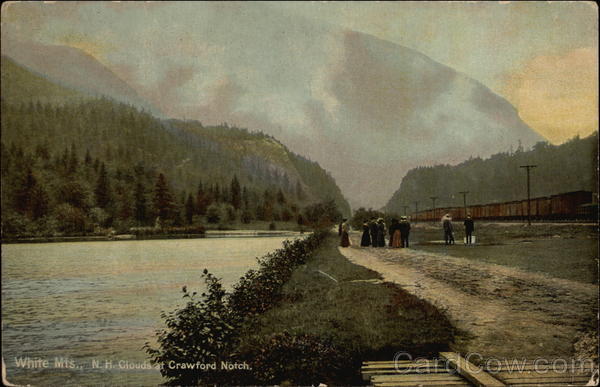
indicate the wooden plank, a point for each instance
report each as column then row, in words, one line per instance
column 403, row 365
column 470, row 371
column 406, row 372
column 549, row 374
column 531, row 367
column 416, row 378
column 417, row 384
column 546, row 381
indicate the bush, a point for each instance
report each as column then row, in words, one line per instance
column 70, row 219
column 272, row 226
column 298, row 359
column 213, row 214
column 246, row 217
column 208, row 329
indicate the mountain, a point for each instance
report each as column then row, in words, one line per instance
column 568, row 167
column 396, row 109
column 124, row 136
column 73, row 69
column 22, row 86
column 365, row 109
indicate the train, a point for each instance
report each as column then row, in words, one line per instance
column 577, row 205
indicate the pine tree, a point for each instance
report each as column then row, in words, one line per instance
column 236, row 193
column 140, row 203
column 201, row 200
column 300, row 195
column 190, row 209
column 163, row 199
column 280, row 197
column 102, row 191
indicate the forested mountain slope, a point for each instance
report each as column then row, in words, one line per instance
column 562, row 168
column 62, row 146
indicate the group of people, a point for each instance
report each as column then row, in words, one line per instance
column 374, row 233
column 448, row 231
column 399, row 231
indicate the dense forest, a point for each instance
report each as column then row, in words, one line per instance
column 92, row 163
column 559, row 168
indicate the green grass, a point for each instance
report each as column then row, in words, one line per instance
column 568, row 251
column 366, row 318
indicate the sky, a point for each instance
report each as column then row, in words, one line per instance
column 276, row 66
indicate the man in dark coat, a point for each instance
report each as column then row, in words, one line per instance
column 404, row 230
column 373, row 227
column 469, row 228
column 448, row 234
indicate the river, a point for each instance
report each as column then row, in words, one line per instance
column 93, row 305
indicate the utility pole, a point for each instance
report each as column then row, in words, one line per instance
column 433, row 198
column 405, row 207
column 528, row 168
column 416, row 210
column 464, row 194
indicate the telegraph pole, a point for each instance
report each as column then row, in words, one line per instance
column 405, row 207
column 433, row 198
column 416, row 210
column 528, row 168
column 464, row 194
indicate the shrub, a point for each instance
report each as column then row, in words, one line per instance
column 208, row 329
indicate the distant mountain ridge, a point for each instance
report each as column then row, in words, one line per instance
column 569, row 167
column 186, row 151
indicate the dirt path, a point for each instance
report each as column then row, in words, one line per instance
column 499, row 311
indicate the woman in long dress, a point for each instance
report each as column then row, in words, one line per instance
column 345, row 241
column 396, row 235
column 380, row 233
column 366, row 235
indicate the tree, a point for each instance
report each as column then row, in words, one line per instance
column 280, row 197
column 102, row 190
column 236, row 193
column 213, row 213
column 24, row 192
column 300, row 195
column 163, row 199
column 140, row 203
column 190, row 209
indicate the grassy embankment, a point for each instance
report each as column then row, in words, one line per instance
column 357, row 313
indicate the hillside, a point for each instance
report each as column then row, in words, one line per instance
column 74, row 69
column 560, row 168
column 22, row 86
column 74, row 144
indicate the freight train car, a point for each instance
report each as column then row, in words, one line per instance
column 577, row 205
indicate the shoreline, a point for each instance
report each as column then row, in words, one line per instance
column 133, row 237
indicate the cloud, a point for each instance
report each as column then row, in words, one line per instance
column 557, row 95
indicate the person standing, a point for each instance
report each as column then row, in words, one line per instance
column 391, row 230
column 373, row 228
column 345, row 239
column 469, row 228
column 380, row 233
column 447, row 224
column 395, row 234
column 366, row 235
column 404, row 228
